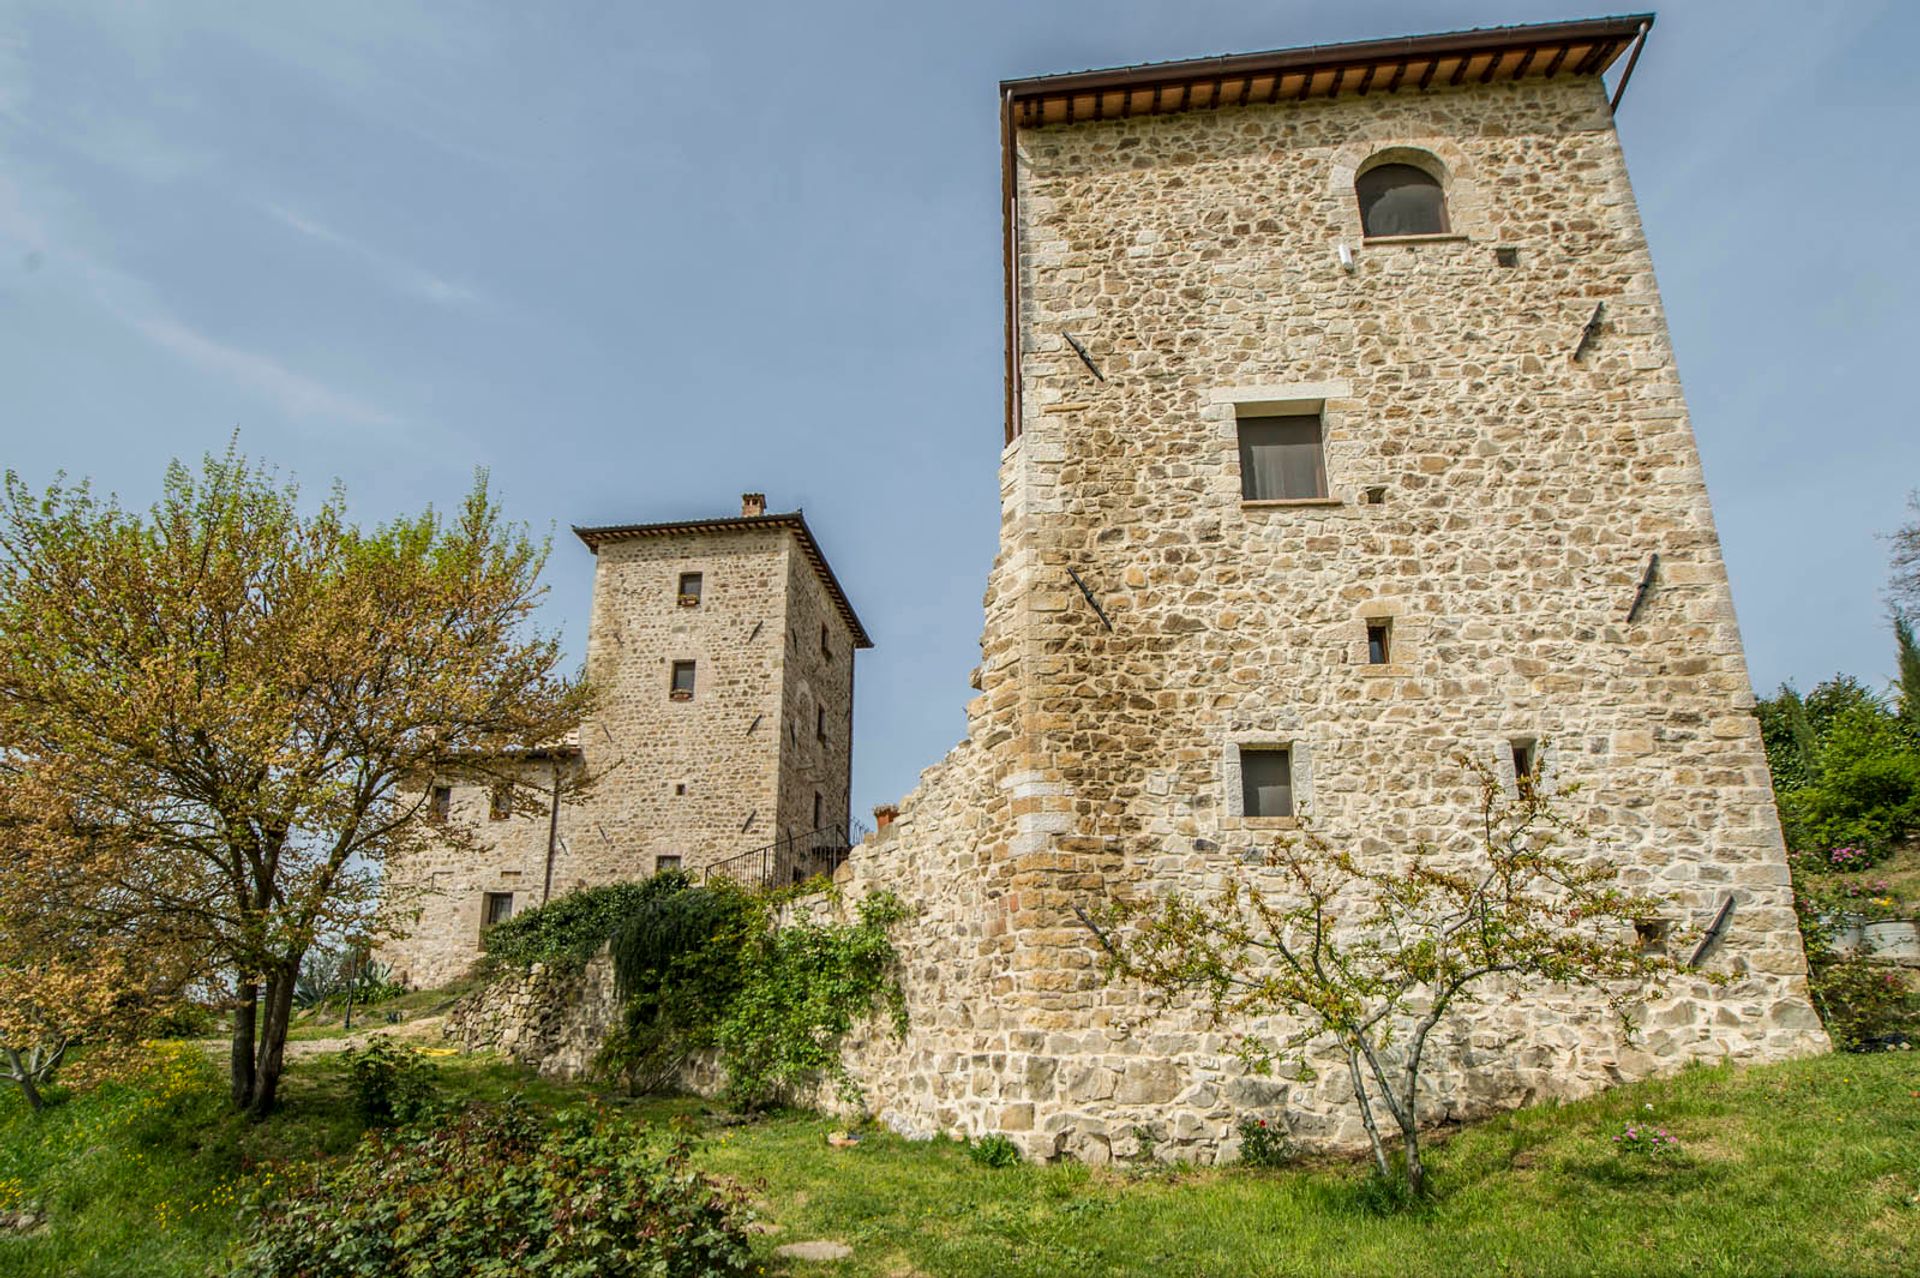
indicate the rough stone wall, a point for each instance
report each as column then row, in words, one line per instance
column 1523, row 491
column 724, row 746
column 552, row 1020
column 729, row 771
column 440, row 892
column 818, row 677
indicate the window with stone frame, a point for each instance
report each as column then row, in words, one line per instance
column 665, row 862
column 1401, row 199
column 1266, row 781
column 495, row 907
column 682, row 686
column 690, row 584
column 500, row 802
column 1283, row 458
column 440, row 801
column 1379, row 641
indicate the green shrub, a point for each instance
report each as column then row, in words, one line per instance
column 1265, row 1145
column 570, row 929
column 497, row 1191
column 390, row 1083
column 1864, row 1005
column 994, row 1151
column 803, row 986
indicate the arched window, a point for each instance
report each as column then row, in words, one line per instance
column 1399, row 199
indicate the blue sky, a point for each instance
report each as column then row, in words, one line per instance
column 636, row 258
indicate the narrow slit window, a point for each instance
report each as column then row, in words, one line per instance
column 826, row 647
column 682, row 681
column 1379, row 642
column 1526, row 761
column 819, row 811
column 500, row 802
column 690, row 589
column 820, row 723
column 1282, row 458
column 495, row 907
column 1266, row 782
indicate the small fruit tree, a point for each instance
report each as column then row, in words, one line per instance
column 1374, row 952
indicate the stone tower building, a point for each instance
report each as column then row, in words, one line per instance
column 1344, row 437
column 723, row 740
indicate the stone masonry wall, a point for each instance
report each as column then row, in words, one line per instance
column 1522, row 493
column 818, row 677
column 731, row 770
column 722, row 748
column 440, row 893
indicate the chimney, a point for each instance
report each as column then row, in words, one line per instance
column 752, row 505
column 883, row 816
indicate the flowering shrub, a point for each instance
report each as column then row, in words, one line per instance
column 1265, row 1145
column 1849, row 859
column 495, row 1190
column 1643, row 1140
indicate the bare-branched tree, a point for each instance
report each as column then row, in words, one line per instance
column 1374, row 952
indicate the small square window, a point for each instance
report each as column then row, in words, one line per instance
column 689, row 590
column 682, row 681
column 680, row 788
column 662, row 864
column 1507, row 255
column 1282, row 459
column 440, row 802
column 500, row 802
column 495, row 907
column 1379, row 642
column 1266, row 781
column 1652, row 934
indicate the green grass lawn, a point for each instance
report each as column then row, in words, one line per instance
column 1807, row 1168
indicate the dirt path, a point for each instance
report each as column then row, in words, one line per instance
column 424, row 1032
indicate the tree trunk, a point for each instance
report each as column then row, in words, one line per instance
column 273, row 1040
column 24, row 1076
column 1416, row 1170
column 1366, row 1111
column 241, row 1072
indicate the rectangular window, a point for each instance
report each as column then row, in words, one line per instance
column 500, row 802
column 819, row 811
column 1379, row 642
column 440, row 802
column 1525, row 766
column 1266, row 781
column 495, row 907
column 682, row 681
column 1281, row 458
column 689, row 590
column 661, row 864
column 826, row 648
column 820, row 723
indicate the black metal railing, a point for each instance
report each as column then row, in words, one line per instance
column 791, row 860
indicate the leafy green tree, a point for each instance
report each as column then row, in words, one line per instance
column 239, row 698
column 1909, row 667
column 1374, row 952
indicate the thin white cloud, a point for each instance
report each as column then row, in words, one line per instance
column 296, row 394
column 136, row 304
column 401, row 275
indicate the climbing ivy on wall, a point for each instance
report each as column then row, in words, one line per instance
column 714, row 967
